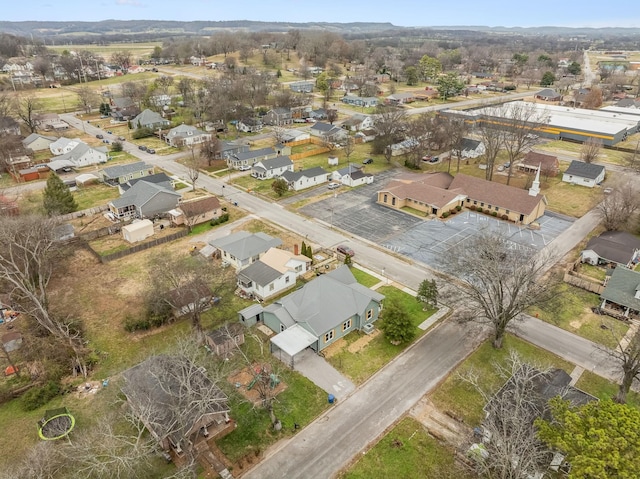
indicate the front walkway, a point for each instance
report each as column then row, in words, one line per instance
column 322, row 374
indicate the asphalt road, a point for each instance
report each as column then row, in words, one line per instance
column 329, row 443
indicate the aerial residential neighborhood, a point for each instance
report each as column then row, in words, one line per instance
column 330, row 246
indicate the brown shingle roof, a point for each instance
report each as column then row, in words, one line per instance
column 535, row 159
column 422, row 192
column 496, row 194
column 201, row 206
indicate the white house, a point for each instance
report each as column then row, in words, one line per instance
column 83, row 155
column 186, row 135
column 470, row 148
column 63, row 145
column 584, row 174
column 352, row 175
column 271, row 168
column 299, row 180
column 242, row 249
column 358, row 123
column 275, row 272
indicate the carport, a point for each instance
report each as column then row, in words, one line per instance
column 291, row 341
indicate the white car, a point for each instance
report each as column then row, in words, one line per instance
column 333, row 185
column 244, row 168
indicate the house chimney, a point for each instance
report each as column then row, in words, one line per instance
column 295, row 249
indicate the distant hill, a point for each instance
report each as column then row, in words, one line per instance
column 153, row 30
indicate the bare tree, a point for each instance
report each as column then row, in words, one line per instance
column 193, row 163
column 25, row 108
column 590, row 150
column 520, row 122
column 279, row 134
column 123, row 59
column 593, row 99
column 42, row 461
column 627, row 354
column 29, row 253
column 492, row 137
column 87, row 98
column 498, row 281
column 619, row 206
column 514, row 449
column 390, row 121
column 348, row 147
column 210, row 150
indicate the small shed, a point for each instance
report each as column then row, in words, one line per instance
column 333, row 161
column 224, row 340
column 137, row 231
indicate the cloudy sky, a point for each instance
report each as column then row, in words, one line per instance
column 586, row 13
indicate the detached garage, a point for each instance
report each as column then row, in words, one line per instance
column 137, row 231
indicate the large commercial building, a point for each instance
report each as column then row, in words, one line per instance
column 561, row 122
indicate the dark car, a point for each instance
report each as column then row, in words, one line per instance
column 345, row 250
column 151, row 151
column 368, row 161
column 99, row 137
column 142, row 147
column 121, row 138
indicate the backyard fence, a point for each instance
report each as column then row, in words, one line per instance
column 582, row 281
column 140, row 247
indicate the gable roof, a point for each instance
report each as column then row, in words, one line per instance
column 584, row 170
column 548, row 93
column 621, row 288
column 140, row 194
column 533, row 158
column 278, row 259
column 117, row 171
column 277, row 162
column 199, row 206
column 469, row 144
column 148, row 117
column 617, row 246
column 225, row 333
column 323, row 127
column 160, row 179
column 247, row 155
column 244, row 245
column 292, row 176
column 326, row 302
column 422, row 192
column 185, row 131
column 260, row 273
column 349, row 169
column 35, row 136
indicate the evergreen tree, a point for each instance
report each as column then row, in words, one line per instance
column 57, row 199
column 396, row 324
column 428, row 293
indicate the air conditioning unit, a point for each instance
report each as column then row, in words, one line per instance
column 368, row 328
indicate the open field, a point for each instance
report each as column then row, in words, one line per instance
column 138, row 50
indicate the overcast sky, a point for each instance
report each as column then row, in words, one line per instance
column 572, row 13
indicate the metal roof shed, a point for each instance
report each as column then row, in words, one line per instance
column 293, row 340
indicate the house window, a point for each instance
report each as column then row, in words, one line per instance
column 328, row 337
column 298, row 268
column 286, row 279
column 482, row 204
column 468, row 200
column 369, row 314
column 393, row 201
column 475, row 202
column 282, row 327
column 346, row 325
column 271, row 287
column 496, row 208
column 507, row 211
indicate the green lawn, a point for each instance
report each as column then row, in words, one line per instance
column 379, row 351
column 459, row 398
column 407, row 451
column 603, row 388
column 365, row 279
column 571, row 310
column 94, row 195
column 596, row 272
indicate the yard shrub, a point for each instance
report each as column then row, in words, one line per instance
column 39, row 396
column 479, row 210
column 132, row 324
column 445, row 214
column 452, row 212
column 505, row 217
column 494, row 213
column 141, row 133
column 458, row 208
column 221, row 219
column 472, row 207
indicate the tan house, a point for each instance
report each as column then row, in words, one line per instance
column 548, row 164
column 196, row 211
column 438, row 193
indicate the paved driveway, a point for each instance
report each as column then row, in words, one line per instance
column 426, row 241
column 322, row 374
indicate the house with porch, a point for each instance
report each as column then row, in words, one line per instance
column 358, row 123
column 532, row 161
column 364, row 102
column 83, row 155
column 63, row 145
column 150, row 119
column 242, row 249
column 144, row 200
column 271, row 168
column 186, row 135
column 155, row 393
column 469, row 148
column 300, row 180
column 621, row 295
column 400, row 98
column 584, row 174
column 123, row 108
column 196, row 211
column 250, row 125
column 275, row 272
column 615, row 248
column 321, row 312
column 438, row 193
column 328, row 132
column 226, row 149
column 119, row 174
column 352, row 175
column 250, row 157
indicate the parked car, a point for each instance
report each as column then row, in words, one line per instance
column 244, row 168
column 99, row 137
column 151, row 151
column 105, row 141
column 110, row 132
column 507, row 165
column 142, row 147
column 122, row 138
column 345, row 250
column 333, row 185
column 368, row 161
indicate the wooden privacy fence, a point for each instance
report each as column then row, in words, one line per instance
column 581, row 281
column 305, row 154
column 140, row 247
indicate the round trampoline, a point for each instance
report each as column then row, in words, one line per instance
column 56, row 424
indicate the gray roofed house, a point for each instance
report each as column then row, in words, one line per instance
column 155, row 390
column 329, row 307
column 118, row 174
column 279, row 116
column 622, row 293
column 299, row 180
column 328, row 131
column 612, row 247
column 186, row 135
column 259, row 273
column 37, row 142
column 470, row 148
column 150, row 119
column 250, row 157
column 584, row 174
column 85, row 155
column 243, row 248
column 272, row 167
column 144, row 200
column 548, row 94
column 160, row 179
